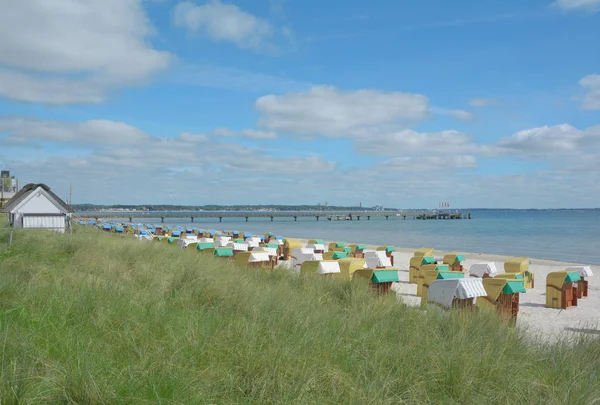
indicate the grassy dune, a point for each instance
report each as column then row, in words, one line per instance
column 93, row 318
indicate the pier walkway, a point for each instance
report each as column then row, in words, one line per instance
column 331, row 215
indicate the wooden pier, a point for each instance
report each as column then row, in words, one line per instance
column 331, row 216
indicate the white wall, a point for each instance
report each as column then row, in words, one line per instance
column 54, row 222
column 38, row 204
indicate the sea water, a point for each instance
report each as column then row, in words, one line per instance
column 564, row 235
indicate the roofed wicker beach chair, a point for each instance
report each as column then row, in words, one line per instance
column 454, row 261
column 458, row 293
column 224, row 253
column 503, row 296
column 429, row 267
column 336, row 247
column 327, row 268
column 288, row 245
column 349, row 265
column 378, row 259
column 561, row 289
column 483, row 270
column 584, row 273
column 380, row 279
column 520, row 265
column 334, row 255
column 389, row 251
column 357, row 250
column 430, row 276
column 254, row 259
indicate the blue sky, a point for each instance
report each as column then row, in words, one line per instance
column 403, row 104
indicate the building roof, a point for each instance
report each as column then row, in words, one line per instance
column 23, row 193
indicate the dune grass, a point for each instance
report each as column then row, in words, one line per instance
column 92, row 318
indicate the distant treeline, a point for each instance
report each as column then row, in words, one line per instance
column 93, row 207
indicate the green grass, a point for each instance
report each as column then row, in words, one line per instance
column 92, row 318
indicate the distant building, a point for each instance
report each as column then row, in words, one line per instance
column 36, row 206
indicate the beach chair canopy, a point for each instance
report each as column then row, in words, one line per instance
column 480, row 269
column 385, row 276
column 584, row 271
column 444, row 291
column 449, row 275
column 453, row 258
column 559, row 278
column 292, row 243
column 224, row 252
column 349, row 265
column 328, row 267
column 204, row 246
column 387, row 249
column 495, row 286
column 423, row 252
column 270, row 250
column 516, row 264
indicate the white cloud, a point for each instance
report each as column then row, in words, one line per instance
column 224, row 22
column 550, row 143
column 94, row 132
column 245, row 133
column 429, row 163
column 482, row 102
column 59, row 52
column 462, row 115
column 586, row 5
column 591, row 100
column 328, row 110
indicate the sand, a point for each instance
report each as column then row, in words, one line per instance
column 541, row 323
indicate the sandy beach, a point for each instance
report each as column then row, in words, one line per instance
column 543, row 324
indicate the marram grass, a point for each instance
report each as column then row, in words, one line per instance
column 91, row 318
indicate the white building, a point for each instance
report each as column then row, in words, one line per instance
column 35, row 206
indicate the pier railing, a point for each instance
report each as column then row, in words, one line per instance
column 328, row 215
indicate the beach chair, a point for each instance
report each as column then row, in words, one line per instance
column 456, row 293
column 334, row 255
column 377, row 259
column 430, row 276
column 205, row 247
column 503, row 296
column 357, row 250
column 254, row 259
column 520, row 265
column 483, row 270
column 225, row 253
column 423, row 252
column 381, row 280
column 561, row 289
column 273, row 253
column 582, row 286
column 317, row 245
column 389, row 251
column 327, row 268
column 288, row 246
column 454, row 261
column 415, row 264
column 300, row 255
column 351, row 264
column 429, row 267
column 336, row 247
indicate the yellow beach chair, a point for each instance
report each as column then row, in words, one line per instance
column 520, row 265
column 503, row 296
column 415, row 264
column 561, row 289
column 454, row 261
column 380, row 279
column 288, row 246
column 349, row 265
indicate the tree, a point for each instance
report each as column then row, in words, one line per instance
column 7, row 183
